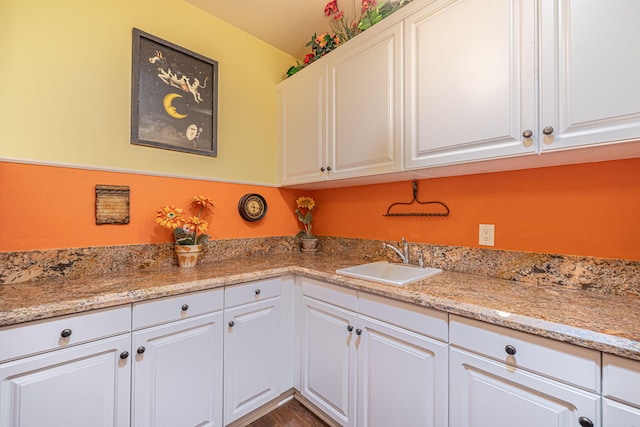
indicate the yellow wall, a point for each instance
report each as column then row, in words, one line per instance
column 66, row 87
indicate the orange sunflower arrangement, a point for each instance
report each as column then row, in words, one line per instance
column 188, row 231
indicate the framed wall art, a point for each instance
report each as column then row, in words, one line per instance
column 174, row 100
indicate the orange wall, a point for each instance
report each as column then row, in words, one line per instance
column 590, row 209
column 47, row 207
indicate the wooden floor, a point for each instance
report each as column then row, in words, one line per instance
column 291, row 414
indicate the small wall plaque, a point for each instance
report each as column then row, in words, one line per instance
column 112, row 204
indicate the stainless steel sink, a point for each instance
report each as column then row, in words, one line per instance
column 391, row 274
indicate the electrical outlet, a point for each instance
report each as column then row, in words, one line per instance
column 487, row 234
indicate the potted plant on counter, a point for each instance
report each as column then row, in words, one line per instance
column 188, row 233
column 305, row 205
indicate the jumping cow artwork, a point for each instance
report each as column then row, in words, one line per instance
column 171, row 78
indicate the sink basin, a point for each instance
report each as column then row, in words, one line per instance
column 391, row 274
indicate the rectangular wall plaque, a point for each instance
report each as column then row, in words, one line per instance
column 112, row 204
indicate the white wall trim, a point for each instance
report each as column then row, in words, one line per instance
column 128, row 171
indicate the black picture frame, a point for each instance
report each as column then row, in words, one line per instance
column 174, row 99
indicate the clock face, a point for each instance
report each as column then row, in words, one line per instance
column 252, row 207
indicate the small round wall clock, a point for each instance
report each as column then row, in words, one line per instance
column 252, row 207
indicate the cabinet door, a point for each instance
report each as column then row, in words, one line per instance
column 177, row 373
column 589, row 72
column 302, row 126
column 619, row 415
column 402, row 377
column 328, row 377
column 488, row 393
column 469, row 79
column 365, row 105
column 86, row 385
column 253, row 350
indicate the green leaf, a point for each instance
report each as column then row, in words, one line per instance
column 202, row 238
column 308, row 218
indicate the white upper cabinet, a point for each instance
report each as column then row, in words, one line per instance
column 448, row 87
column 342, row 116
column 302, row 126
column 365, row 106
column 469, row 81
column 589, row 68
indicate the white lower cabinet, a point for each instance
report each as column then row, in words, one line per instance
column 212, row 358
column 363, row 371
column 520, row 380
column 402, row 377
column 177, row 373
column 62, row 382
column 177, row 366
column 257, row 346
column 621, row 391
column 329, row 359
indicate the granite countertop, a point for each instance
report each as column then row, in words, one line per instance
column 607, row 323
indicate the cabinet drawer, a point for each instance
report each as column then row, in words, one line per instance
column 621, row 379
column 561, row 361
column 155, row 312
column 251, row 292
column 423, row 320
column 51, row 334
column 333, row 294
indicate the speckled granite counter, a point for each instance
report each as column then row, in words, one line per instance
column 608, row 323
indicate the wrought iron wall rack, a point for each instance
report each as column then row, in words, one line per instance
column 416, row 201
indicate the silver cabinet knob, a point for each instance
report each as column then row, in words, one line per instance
column 527, row 134
column 322, row 169
column 328, row 168
column 548, row 130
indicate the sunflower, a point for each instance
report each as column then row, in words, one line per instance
column 203, row 201
column 195, row 224
column 186, row 231
column 170, row 217
column 306, row 202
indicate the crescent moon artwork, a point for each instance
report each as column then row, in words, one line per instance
column 174, row 97
column 169, row 108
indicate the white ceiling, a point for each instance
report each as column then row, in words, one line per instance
column 286, row 24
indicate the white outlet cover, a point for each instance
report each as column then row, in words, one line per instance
column 487, row 235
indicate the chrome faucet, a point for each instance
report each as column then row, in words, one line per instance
column 404, row 255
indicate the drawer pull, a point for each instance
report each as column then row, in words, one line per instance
column 511, row 350
column 585, row 422
column 358, row 331
column 232, row 324
column 257, row 291
column 65, row 333
column 124, row 355
column 140, row 350
column 349, row 328
column 548, row 130
column 527, row 134
column 185, row 307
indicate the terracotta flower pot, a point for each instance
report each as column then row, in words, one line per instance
column 188, row 255
column 309, row 245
